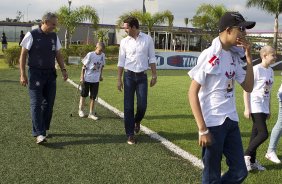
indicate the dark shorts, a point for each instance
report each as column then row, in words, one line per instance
column 89, row 86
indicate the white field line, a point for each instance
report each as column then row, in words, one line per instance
column 169, row 145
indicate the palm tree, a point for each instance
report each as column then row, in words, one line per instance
column 186, row 21
column 273, row 7
column 102, row 35
column 71, row 19
column 207, row 17
column 149, row 20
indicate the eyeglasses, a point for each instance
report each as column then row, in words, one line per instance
column 241, row 28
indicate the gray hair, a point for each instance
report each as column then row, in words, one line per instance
column 48, row 16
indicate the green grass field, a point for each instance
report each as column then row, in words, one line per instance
column 84, row 151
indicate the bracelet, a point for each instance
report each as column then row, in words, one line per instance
column 154, row 77
column 63, row 69
column 204, row 133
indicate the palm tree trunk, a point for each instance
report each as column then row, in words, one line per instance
column 275, row 32
column 67, row 39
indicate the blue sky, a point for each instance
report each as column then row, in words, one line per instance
column 109, row 10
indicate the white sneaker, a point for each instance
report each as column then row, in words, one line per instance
column 272, row 157
column 40, row 139
column 92, row 116
column 81, row 113
column 248, row 163
column 257, row 166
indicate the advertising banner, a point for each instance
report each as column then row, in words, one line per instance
column 176, row 60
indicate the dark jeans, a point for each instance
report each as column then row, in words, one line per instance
column 227, row 141
column 259, row 134
column 138, row 84
column 42, row 92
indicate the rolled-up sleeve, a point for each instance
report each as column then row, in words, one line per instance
column 122, row 55
column 152, row 55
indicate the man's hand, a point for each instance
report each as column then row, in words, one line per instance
column 153, row 81
column 65, row 74
column 23, row 80
column 120, row 85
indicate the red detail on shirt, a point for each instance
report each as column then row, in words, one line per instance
column 213, row 61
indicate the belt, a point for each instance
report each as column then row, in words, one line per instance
column 135, row 73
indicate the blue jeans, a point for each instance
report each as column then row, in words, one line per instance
column 42, row 92
column 277, row 129
column 227, row 141
column 134, row 84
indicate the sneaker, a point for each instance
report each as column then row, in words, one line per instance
column 131, row 140
column 40, row 139
column 81, row 113
column 92, row 116
column 248, row 163
column 257, row 166
column 272, row 157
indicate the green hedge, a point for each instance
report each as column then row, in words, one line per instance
column 82, row 50
column 12, row 56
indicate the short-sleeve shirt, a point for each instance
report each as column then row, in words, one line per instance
column 260, row 96
column 28, row 40
column 216, row 95
column 94, row 64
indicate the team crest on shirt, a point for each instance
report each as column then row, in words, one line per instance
column 214, row 61
column 267, row 87
column 229, row 89
column 37, row 83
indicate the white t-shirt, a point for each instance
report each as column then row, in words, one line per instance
column 28, row 40
column 217, row 97
column 93, row 63
column 260, row 96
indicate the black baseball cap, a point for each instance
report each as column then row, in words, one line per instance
column 230, row 19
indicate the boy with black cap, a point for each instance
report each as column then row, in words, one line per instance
column 212, row 99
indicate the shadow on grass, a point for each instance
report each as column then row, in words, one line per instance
column 10, row 81
column 169, row 116
column 88, row 139
column 273, row 166
column 179, row 136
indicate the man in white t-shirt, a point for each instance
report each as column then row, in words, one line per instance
column 212, row 99
column 91, row 74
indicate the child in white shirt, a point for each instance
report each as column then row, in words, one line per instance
column 91, row 74
column 212, row 99
column 257, row 105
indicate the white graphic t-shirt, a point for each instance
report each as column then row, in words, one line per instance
column 260, row 96
column 217, row 97
column 93, row 63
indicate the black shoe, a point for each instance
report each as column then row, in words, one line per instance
column 131, row 140
column 137, row 127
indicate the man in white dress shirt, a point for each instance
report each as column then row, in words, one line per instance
column 136, row 54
